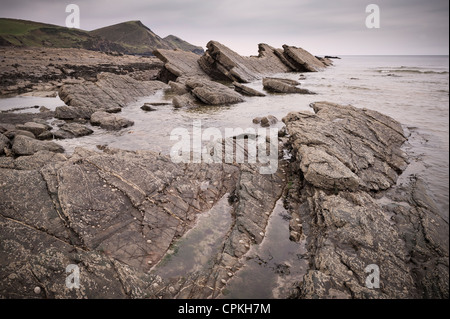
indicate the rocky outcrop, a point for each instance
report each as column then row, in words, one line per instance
column 275, row 85
column 73, row 113
column 302, row 60
column 23, row 145
column 72, row 130
column 46, row 69
column 245, row 90
column 204, row 91
column 345, row 160
column 343, row 147
column 178, row 63
column 109, row 92
column 221, row 63
column 110, row 121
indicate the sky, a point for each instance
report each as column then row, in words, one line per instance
column 323, row 27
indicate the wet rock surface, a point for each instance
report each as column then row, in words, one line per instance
column 45, row 69
column 275, row 85
column 346, row 227
column 120, row 216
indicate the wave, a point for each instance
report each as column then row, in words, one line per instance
column 410, row 70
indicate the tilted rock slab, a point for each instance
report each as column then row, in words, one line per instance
column 110, row 91
column 222, row 63
column 345, row 159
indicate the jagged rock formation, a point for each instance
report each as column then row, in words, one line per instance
column 110, row 91
column 203, row 91
column 343, row 156
column 178, row 63
column 46, row 69
column 222, row 63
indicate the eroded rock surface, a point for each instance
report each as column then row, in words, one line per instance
column 345, row 160
column 110, row 91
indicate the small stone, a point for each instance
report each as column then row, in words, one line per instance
column 171, row 290
column 149, row 241
column 149, row 262
column 230, row 274
column 37, row 290
column 261, row 233
column 224, row 281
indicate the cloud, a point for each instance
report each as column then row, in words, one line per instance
column 321, row 26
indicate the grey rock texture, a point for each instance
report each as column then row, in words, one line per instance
column 115, row 215
column 245, row 90
column 178, row 63
column 72, row 130
column 222, row 63
column 110, row 91
column 212, row 93
column 110, row 121
column 23, row 145
column 206, row 92
column 351, row 147
column 346, row 159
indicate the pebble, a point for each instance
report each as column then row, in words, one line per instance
column 149, row 262
column 224, row 281
column 261, row 233
column 149, row 241
column 37, row 290
column 171, row 290
column 230, row 274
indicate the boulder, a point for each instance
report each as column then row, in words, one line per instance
column 282, row 86
column 32, row 127
column 72, row 130
column 110, row 121
column 269, row 120
column 245, row 90
column 109, row 92
column 23, row 145
column 222, row 63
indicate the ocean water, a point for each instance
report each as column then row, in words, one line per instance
column 412, row 89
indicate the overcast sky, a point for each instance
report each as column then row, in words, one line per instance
column 334, row 27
